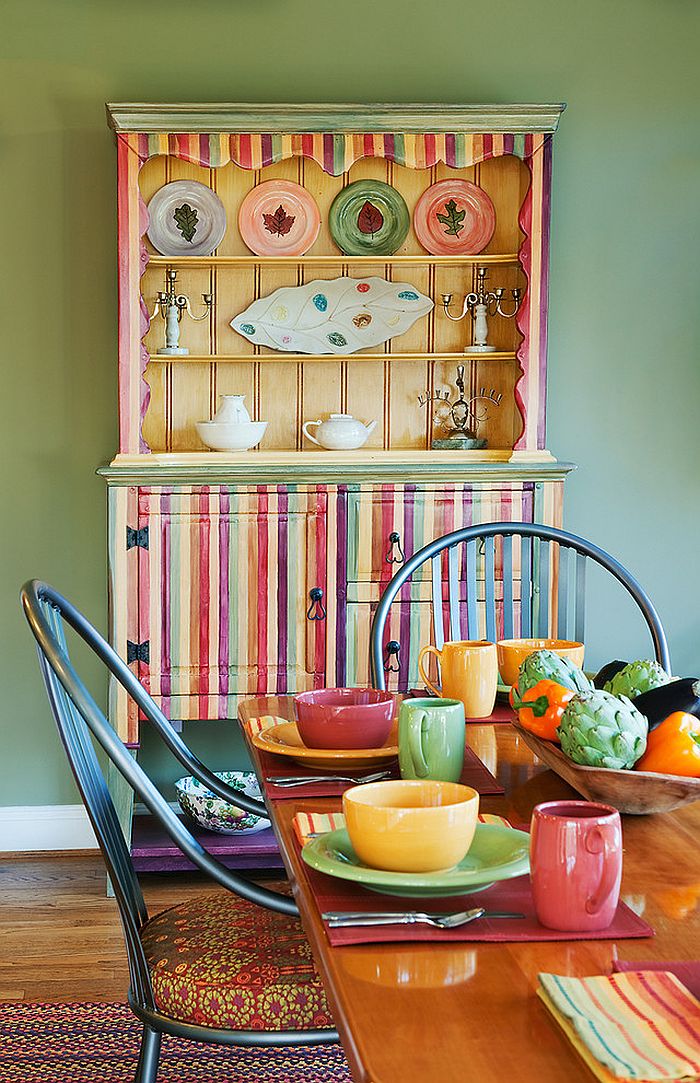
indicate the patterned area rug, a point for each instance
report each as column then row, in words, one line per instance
column 99, row 1043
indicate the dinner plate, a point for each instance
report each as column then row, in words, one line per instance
column 186, row 218
column 279, row 218
column 497, row 853
column 284, row 740
column 369, row 218
column 454, row 217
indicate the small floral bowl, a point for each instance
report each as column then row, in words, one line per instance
column 215, row 814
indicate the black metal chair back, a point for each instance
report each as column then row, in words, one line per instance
column 495, row 581
column 79, row 719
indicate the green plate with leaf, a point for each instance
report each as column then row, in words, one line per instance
column 186, row 218
column 497, row 853
column 369, row 218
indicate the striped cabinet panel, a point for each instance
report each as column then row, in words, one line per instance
column 386, row 524
column 224, row 595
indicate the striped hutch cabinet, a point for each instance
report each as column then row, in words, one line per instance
column 236, row 574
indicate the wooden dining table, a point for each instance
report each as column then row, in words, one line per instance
column 436, row 1013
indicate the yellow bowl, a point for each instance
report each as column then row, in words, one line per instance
column 513, row 652
column 411, row 825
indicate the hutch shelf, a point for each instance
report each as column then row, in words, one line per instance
column 215, row 558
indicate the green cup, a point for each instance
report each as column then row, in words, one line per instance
column 432, row 737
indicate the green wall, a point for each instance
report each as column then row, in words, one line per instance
column 624, row 384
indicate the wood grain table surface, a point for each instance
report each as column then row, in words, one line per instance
column 437, row 1013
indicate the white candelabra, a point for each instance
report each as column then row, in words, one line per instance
column 172, row 305
column 479, row 306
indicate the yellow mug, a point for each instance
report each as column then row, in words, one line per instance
column 469, row 671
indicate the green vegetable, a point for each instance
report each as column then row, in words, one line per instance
column 598, row 729
column 637, row 677
column 607, row 673
column 549, row 666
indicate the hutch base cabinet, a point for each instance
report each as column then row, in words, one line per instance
column 235, row 574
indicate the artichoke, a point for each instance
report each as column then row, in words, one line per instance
column 637, row 677
column 549, row 666
column 598, row 729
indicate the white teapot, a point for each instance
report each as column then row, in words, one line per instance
column 340, row 432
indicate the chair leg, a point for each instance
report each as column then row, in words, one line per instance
column 149, row 1056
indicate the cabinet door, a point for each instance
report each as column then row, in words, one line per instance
column 386, row 525
column 224, row 595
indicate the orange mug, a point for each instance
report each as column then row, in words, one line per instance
column 469, row 671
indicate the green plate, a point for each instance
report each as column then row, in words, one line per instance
column 497, row 853
column 369, row 218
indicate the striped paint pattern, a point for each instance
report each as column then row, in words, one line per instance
column 335, row 153
column 418, row 514
column 223, row 591
column 640, row 1025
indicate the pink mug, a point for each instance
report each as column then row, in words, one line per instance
column 575, row 864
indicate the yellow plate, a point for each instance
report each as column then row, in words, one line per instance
column 284, row 740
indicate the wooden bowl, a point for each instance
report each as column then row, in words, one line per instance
column 635, row 792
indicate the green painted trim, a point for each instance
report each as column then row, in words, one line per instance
column 331, row 474
column 351, row 117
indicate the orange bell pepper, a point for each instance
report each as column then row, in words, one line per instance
column 673, row 747
column 541, row 707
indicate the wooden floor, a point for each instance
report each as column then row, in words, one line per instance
column 60, row 936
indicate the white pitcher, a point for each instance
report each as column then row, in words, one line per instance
column 232, row 409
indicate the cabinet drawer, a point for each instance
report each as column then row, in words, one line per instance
column 388, row 523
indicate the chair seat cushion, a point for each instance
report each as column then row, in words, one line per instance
column 220, row 961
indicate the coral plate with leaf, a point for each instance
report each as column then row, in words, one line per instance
column 215, row 814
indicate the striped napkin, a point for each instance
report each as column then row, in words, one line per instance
column 641, row 1026
column 309, row 824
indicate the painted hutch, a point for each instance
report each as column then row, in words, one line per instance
column 218, row 560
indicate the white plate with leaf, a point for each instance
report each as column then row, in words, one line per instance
column 186, row 218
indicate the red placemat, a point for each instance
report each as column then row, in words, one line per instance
column 474, row 774
column 514, row 896
column 688, row 973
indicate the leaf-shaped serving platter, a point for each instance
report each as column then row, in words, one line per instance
column 186, row 218
column 279, row 218
column 454, row 217
column 340, row 315
column 369, row 218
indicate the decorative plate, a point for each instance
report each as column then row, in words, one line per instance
column 215, row 814
column 454, row 217
column 340, row 315
column 186, row 219
column 279, row 218
column 369, row 218
column 497, row 853
column 284, row 740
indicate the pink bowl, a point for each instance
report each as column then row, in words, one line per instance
column 344, row 717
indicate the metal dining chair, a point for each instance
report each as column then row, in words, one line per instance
column 232, row 968
column 541, row 575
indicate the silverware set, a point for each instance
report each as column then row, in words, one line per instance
column 347, row 919
column 289, row 781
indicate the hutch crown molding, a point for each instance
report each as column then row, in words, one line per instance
column 255, row 572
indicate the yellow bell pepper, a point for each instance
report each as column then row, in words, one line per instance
column 673, row 748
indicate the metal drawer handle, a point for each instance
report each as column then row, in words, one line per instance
column 395, row 544
column 316, row 610
column 392, row 649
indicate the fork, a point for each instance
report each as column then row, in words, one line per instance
column 339, row 919
column 302, row 780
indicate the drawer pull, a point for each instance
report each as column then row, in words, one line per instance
column 392, row 650
column 395, row 554
column 316, row 610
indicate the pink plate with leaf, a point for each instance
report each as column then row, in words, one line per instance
column 279, row 218
column 454, row 217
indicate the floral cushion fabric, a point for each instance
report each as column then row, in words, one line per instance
column 220, row 961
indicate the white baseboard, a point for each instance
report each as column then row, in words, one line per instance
column 45, row 827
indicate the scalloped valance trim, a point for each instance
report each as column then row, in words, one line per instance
column 334, row 152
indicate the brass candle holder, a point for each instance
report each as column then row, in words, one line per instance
column 479, row 306
column 172, row 305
